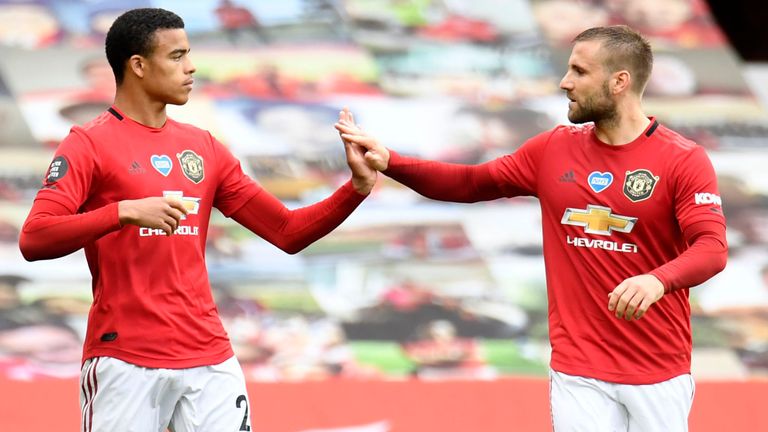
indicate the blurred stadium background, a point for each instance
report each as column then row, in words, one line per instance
column 414, row 315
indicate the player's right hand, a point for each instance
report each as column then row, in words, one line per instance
column 155, row 212
column 376, row 155
column 633, row 296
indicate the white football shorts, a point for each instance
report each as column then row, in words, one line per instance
column 580, row 404
column 116, row 396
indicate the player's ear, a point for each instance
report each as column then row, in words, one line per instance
column 136, row 65
column 620, row 81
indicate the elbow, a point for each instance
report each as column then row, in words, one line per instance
column 721, row 257
column 28, row 251
column 35, row 248
column 721, row 261
column 292, row 248
column 289, row 246
column 716, row 248
column 28, row 256
column 716, row 263
column 31, row 243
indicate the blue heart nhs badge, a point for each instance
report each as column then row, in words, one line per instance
column 162, row 164
column 599, row 181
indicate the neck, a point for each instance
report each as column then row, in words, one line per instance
column 622, row 129
column 140, row 108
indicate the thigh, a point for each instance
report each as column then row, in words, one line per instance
column 580, row 404
column 116, row 396
column 214, row 399
column 663, row 406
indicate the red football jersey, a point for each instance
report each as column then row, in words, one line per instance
column 609, row 213
column 152, row 302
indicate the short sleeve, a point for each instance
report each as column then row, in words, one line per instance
column 696, row 193
column 234, row 187
column 70, row 174
column 517, row 173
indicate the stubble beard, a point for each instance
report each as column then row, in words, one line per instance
column 595, row 108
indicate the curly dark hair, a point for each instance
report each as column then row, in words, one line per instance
column 133, row 33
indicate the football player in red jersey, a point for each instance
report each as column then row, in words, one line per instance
column 135, row 189
column 631, row 220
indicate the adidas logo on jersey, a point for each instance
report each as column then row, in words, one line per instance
column 568, row 177
column 136, row 168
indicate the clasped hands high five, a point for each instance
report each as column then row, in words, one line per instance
column 375, row 155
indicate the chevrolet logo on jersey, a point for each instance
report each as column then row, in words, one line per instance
column 598, row 220
column 191, row 204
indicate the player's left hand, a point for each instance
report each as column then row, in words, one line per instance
column 376, row 155
column 632, row 298
column 363, row 176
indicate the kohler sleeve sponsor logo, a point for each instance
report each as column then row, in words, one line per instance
column 707, row 198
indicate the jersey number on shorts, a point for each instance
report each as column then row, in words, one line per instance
column 244, row 425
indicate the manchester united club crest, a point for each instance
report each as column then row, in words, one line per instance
column 639, row 184
column 191, row 165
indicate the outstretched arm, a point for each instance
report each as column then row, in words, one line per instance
column 294, row 230
column 435, row 180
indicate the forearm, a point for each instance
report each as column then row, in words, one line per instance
column 444, row 181
column 52, row 231
column 705, row 257
column 294, row 230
